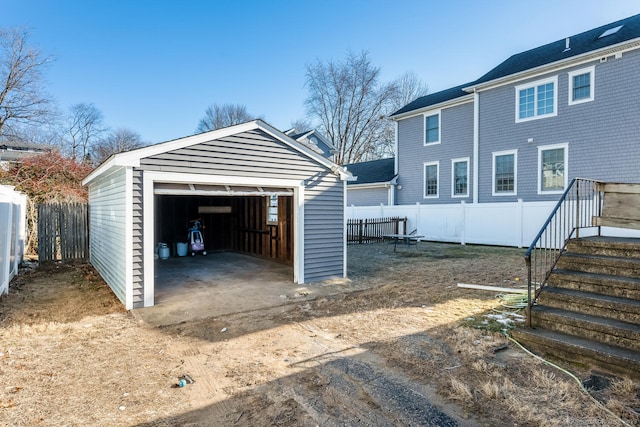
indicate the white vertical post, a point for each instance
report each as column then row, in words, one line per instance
column 521, row 222
column 418, row 219
column 463, row 236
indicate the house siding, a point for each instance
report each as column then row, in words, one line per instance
column 456, row 141
column 107, row 222
column 590, row 129
column 257, row 154
column 367, row 196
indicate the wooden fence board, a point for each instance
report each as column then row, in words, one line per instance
column 63, row 231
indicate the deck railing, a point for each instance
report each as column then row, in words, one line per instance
column 573, row 212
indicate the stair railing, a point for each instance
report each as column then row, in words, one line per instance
column 574, row 211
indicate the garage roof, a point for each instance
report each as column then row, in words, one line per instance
column 132, row 158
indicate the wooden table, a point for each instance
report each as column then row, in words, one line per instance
column 406, row 238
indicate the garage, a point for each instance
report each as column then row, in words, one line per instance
column 255, row 190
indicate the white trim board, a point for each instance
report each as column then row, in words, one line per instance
column 149, row 178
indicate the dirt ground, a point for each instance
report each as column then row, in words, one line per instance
column 412, row 349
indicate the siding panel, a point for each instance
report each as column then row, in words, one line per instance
column 107, row 224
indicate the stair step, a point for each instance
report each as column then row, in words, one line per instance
column 608, row 331
column 573, row 349
column 602, row 264
column 603, row 245
column 626, row 287
column 623, row 309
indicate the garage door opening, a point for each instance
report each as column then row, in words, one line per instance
column 248, row 235
column 254, row 225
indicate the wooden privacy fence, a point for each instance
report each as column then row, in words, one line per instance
column 63, row 232
column 373, row 230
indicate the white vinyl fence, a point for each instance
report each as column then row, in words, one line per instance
column 504, row 224
column 13, row 216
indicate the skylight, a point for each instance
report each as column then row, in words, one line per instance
column 610, row 31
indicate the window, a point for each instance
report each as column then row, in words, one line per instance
column 581, row 88
column 552, row 168
column 460, row 177
column 432, row 129
column 505, row 172
column 536, row 100
column 431, row 180
column 272, row 209
column 610, row 31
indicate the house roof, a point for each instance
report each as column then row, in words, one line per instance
column 374, row 171
column 434, row 99
column 132, row 158
column 16, row 150
column 593, row 40
column 578, row 44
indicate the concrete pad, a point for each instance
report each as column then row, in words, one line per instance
column 222, row 283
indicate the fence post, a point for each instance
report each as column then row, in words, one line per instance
column 521, row 222
column 360, row 232
column 463, row 234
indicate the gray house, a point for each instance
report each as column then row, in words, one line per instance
column 522, row 131
column 15, row 151
column 313, row 140
column 257, row 191
column 374, row 183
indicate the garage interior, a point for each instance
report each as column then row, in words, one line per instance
column 252, row 221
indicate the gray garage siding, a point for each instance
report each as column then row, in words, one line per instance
column 107, row 216
column 324, row 229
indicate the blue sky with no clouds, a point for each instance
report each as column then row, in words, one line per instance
column 154, row 66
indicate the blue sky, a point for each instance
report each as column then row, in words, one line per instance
column 154, row 66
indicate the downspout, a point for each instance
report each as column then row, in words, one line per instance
column 476, row 142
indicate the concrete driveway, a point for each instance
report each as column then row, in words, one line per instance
column 221, row 283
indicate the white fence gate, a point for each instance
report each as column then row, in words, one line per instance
column 13, row 216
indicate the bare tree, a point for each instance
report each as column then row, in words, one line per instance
column 220, row 116
column 117, row 141
column 301, row 125
column 409, row 87
column 350, row 104
column 23, row 100
column 84, row 128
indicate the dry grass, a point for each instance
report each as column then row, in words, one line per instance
column 70, row 355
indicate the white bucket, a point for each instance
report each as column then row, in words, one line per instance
column 163, row 251
column 182, row 248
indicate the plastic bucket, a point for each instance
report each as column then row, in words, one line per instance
column 163, row 251
column 182, row 248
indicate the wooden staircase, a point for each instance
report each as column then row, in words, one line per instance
column 589, row 311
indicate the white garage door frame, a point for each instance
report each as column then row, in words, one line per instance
column 151, row 177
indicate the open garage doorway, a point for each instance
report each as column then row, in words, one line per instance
column 254, row 225
column 248, row 240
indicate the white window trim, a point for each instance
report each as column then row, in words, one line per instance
column 566, row 167
column 453, row 177
column 424, row 127
column 424, row 180
column 515, row 173
column 535, row 84
column 592, row 80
